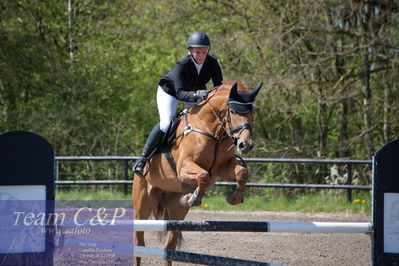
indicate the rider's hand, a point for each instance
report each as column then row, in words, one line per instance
column 201, row 94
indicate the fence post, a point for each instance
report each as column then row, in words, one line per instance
column 126, row 163
column 57, row 162
column 349, row 182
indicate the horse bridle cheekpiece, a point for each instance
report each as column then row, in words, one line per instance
column 242, row 103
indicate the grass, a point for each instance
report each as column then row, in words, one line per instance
column 302, row 203
column 309, row 203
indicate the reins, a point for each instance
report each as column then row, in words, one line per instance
column 227, row 133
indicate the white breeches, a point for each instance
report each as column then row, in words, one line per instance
column 167, row 106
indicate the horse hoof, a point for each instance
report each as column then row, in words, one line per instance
column 184, row 200
column 188, row 201
column 235, row 197
column 197, row 203
column 193, row 200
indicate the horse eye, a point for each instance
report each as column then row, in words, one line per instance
column 232, row 111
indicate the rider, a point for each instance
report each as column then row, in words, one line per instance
column 186, row 82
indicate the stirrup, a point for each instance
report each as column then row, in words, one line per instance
column 139, row 170
column 139, row 173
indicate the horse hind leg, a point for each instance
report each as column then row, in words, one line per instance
column 145, row 200
column 171, row 202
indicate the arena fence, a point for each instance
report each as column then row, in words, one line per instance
column 123, row 175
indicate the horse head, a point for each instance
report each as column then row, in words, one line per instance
column 239, row 117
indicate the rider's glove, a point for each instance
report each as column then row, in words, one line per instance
column 201, row 94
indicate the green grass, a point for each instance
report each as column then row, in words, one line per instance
column 303, row 203
column 311, row 203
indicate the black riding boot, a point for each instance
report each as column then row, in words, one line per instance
column 154, row 139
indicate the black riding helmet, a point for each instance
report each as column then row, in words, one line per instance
column 198, row 39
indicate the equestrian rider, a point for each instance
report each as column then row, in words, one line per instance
column 187, row 83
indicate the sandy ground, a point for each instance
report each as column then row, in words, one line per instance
column 279, row 248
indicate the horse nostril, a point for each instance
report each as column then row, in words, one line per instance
column 241, row 145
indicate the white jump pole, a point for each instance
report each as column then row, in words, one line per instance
column 242, row 226
column 232, row 226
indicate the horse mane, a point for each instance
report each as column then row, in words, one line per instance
column 222, row 92
column 230, row 83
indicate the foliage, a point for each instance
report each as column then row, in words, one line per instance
column 330, row 70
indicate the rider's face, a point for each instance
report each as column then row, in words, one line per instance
column 199, row 54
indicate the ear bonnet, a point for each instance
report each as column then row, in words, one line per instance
column 242, row 102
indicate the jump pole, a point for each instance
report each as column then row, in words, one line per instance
column 234, row 226
column 188, row 257
column 244, row 226
column 167, row 254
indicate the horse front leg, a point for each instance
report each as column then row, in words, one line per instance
column 237, row 196
column 192, row 173
column 238, row 172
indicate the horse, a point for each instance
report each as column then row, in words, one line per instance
column 201, row 153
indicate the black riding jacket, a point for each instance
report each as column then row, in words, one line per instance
column 182, row 81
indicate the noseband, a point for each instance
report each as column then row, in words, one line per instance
column 240, row 127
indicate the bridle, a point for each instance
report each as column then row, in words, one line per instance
column 227, row 133
column 240, row 127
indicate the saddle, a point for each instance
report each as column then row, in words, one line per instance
column 170, row 134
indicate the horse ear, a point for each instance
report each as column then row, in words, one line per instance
column 255, row 92
column 233, row 91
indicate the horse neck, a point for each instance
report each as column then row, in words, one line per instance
column 208, row 115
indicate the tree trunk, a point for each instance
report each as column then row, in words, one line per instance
column 365, row 18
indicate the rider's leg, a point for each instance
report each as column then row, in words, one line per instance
column 167, row 106
column 154, row 139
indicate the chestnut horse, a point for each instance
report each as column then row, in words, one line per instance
column 201, row 153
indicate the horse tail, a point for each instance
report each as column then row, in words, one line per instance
column 161, row 213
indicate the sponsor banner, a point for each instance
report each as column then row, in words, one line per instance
column 72, row 233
